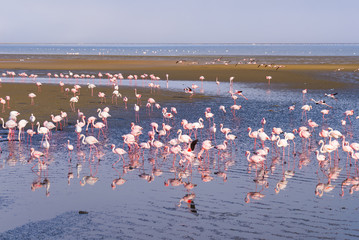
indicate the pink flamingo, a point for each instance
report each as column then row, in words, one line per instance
column 348, row 113
column 234, row 108
column 306, row 108
column 90, row 140
column 99, row 126
column 70, row 147
column 7, row 98
column 138, row 96
column 90, row 120
column 91, row 86
column 137, row 114
column 11, row 125
column 32, row 96
column 201, row 78
column 254, row 135
column 37, row 155
column 30, row 133
column 125, row 100
column 118, row 151
column 324, row 112
column 3, row 102
column 38, row 84
column 102, row 96
column 73, row 100
column 21, row 125
column 57, row 119
column 62, row 86
column 304, row 91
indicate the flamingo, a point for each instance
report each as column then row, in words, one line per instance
column 73, row 100
column 70, row 147
column 57, row 119
column 99, row 126
column 11, row 125
column 3, row 102
column 306, row 108
column 46, row 145
column 118, row 151
column 230, row 137
column 183, row 138
column 32, row 96
column 324, row 112
column 348, row 113
column 30, row 133
column 91, row 86
column 21, row 125
column 37, row 155
column 103, row 115
column 254, row 135
column 42, row 130
column 138, row 96
column 137, row 114
column 222, row 147
column 90, row 140
column 256, row 159
column 125, row 100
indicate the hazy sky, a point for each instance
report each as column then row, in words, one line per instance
column 179, row 21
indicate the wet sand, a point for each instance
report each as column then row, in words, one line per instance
column 299, row 75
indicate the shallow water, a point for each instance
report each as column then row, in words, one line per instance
column 140, row 209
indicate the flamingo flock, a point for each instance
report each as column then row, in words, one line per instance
column 190, row 146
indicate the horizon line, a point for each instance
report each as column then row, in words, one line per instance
column 187, row 43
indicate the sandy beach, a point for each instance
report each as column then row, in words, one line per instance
column 305, row 73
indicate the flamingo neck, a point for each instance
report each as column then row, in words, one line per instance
column 83, row 139
column 250, row 132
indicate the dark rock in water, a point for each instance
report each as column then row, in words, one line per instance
column 83, row 212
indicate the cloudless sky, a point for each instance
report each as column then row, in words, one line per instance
column 179, row 21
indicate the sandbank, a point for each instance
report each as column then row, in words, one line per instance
column 313, row 75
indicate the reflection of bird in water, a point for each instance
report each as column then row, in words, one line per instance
column 206, row 178
column 189, row 185
column 70, row 176
column 38, row 184
column 254, row 196
column 321, row 188
column 173, row 182
column 354, row 188
column 282, row 184
column 147, row 177
column 117, row 181
column 89, row 180
column 188, row 198
column 221, row 175
column 79, row 169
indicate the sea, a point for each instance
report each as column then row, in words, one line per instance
column 251, row 49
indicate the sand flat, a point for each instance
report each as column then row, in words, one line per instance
column 293, row 75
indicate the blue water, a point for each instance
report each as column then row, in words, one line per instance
column 183, row 49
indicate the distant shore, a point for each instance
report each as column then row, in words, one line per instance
column 303, row 72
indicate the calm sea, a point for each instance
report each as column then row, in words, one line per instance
column 183, row 49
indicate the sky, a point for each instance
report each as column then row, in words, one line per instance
column 174, row 21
